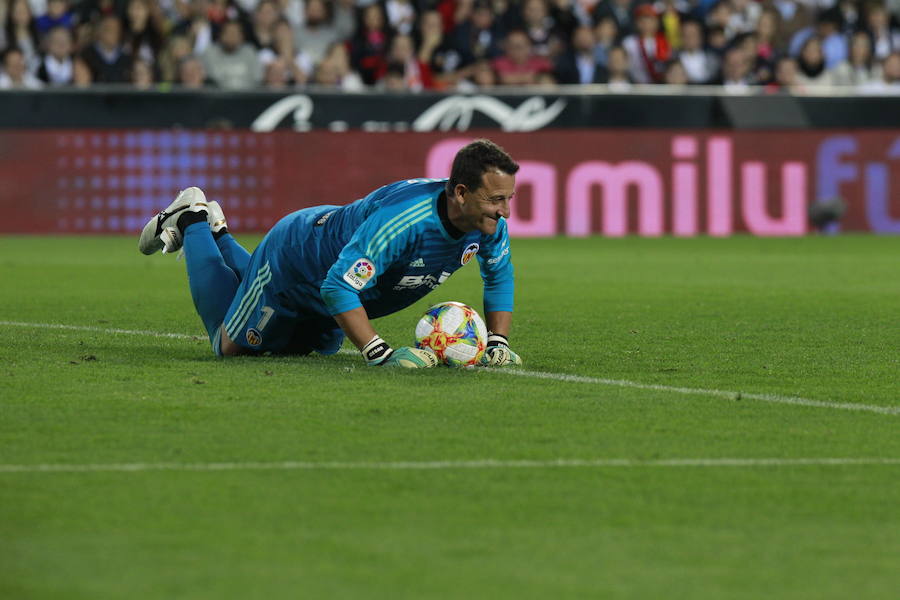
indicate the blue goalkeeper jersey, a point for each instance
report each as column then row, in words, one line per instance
column 383, row 253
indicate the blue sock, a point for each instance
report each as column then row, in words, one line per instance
column 234, row 254
column 213, row 283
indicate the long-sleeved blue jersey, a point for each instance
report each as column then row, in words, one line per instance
column 383, row 252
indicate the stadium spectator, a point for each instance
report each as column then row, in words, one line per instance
column 860, row 68
column 322, row 28
column 192, row 73
column 143, row 31
column 21, row 31
column 262, row 30
column 580, row 64
column 231, row 63
column 785, row 78
column 648, row 50
column 737, row 71
column 335, row 71
column 518, row 65
column 394, row 79
column 15, row 75
column 57, row 15
column 196, row 25
column 297, row 66
column 106, row 57
column 766, row 33
column 675, row 74
column 176, row 49
column 619, row 11
column 885, row 38
column 743, row 16
column 716, row 40
column 142, row 77
column 479, row 36
column 811, row 64
column 436, row 51
column 832, row 40
column 369, row 45
column 605, row 35
column 619, row 72
column 416, row 74
column 889, row 84
column 541, row 28
column 700, row 64
column 56, row 66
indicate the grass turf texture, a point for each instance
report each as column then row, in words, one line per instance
column 814, row 317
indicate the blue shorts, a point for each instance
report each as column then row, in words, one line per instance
column 262, row 321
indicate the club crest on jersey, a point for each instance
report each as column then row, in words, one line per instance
column 359, row 274
column 254, row 338
column 470, row 251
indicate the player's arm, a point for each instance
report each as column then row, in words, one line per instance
column 374, row 247
column 497, row 274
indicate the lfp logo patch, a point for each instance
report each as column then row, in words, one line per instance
column 359, row 274
column 470, row 251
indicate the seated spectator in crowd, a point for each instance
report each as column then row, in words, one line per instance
column 335, row 71
column 518, row 66
column 580, row 64
column 321, row 28
column 619, row 70
column 811, row 64
column 57, row 15
column 700, row 64
column 763, row 69
column 231, row 63
column 859, row 68
column 546, row 37
column 436, row 51
column 369, row 46
column 605, row 35
column 143, row 31
column 262, row 28
column 393, row 79
column 648, row 51
column 766, row 32
column 719, row 15
column 15, row 75
column 416, row 74
column 716, row 40
column 619, row 11
column 142, row 77
column 177, row 48
column 832, row 40
column 277, row 75
column 191, row 73
column 737, row 71
column 106, row 57
column 401, row 16
column 81, row 73
column 21, row 31
column 885, row 37
column 56, row 67
column 297, row 66
column 675, row 74
column 889, row 84
column 785, row 79
column 196, row 25
column 479, row 36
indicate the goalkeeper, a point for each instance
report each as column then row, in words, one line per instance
column 323, row 272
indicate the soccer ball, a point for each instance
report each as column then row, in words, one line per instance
column 453, row 331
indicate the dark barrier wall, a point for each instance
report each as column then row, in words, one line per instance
column 572, row 182
column 265, row 111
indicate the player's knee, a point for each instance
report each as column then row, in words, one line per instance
column 229, row 348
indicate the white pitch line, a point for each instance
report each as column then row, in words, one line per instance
column 445, row 464
column 724, row 394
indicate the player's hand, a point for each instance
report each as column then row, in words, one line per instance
column 499, row 354
column 411, row 358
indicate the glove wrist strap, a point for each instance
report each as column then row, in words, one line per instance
column 497, row 339
column 376, row 351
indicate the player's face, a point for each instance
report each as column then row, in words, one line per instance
column 482, row 208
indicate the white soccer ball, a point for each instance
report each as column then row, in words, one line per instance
column 453, row 331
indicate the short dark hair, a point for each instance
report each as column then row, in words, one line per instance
column 474, row 159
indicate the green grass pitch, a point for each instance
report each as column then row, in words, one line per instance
column 362, row 517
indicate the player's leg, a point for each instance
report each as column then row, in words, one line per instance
column 235, row 256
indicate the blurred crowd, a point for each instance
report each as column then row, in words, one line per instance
column 794, row 46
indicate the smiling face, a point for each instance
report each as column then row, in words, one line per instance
column 482, row 208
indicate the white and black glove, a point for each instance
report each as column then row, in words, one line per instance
column 498, row 353
column 378, row 354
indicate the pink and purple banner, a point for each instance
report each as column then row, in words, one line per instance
column 575, row 183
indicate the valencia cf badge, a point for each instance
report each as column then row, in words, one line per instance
column 470, row 251
column 254, row 338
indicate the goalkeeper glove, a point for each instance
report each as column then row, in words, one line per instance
column 498, row 353
column 378, row 353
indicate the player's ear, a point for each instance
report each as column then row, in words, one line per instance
column 459, row 192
